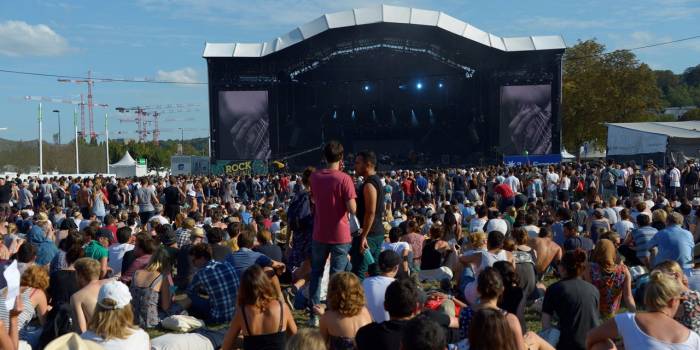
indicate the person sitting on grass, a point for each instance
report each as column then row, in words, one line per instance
column 261, row 316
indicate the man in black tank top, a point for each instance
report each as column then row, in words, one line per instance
column 370, row 213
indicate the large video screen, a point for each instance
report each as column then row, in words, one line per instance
column 526, row 119
column 243, row 125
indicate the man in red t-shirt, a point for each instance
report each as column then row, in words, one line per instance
column 506, row 194
column 408, row 186
column 333, row 194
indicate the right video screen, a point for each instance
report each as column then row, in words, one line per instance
column 526, row 119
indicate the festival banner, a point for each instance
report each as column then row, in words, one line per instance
column 240, row 167
column 535, row 160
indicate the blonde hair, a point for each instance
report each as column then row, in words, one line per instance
column 661, row 290
column 306, row 339
column 345, row 294
column 159, row 261
column 476, row 239
column 87, row 268
column 659, row 215
column 112, row 323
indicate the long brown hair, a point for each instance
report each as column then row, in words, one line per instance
column 489, row 330
column 256, row 289
column 345, row 294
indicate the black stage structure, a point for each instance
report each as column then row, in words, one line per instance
column 413, row 91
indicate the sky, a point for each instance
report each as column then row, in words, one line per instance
column 164, row 40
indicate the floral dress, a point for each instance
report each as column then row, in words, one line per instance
column 609, row 286
column 689, row 312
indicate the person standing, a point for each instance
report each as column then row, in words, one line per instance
column 674, row 176
column 173, row 198
column 146, row 199
column 333, row 194
column 370, row 212
column 6, row 192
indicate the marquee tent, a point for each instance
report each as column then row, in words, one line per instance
column 128, row 167
column 661, row 141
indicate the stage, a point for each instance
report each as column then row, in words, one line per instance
column 415, row 86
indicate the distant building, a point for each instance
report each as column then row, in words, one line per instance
column 678, row 111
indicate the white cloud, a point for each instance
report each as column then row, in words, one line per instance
column 18, row 38
column 184, row 75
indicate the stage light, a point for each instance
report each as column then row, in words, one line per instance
column 366, row 88
column 419, row 85
column 440, row 85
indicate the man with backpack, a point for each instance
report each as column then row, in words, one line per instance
column 607, row 180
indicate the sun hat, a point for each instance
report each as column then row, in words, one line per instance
column 72, row 341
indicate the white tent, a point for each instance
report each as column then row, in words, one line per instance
column 127, row 167
column 675, row 140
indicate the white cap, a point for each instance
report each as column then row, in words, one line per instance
column 499, row 225
column 116, row 291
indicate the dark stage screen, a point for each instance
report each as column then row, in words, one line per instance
column 243, row 125
column 526, row 119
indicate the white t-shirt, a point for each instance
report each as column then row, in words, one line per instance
column 622, row 178
column 138, row 340
column 675, row 176
column 552, row 180
column 116, row 256
column 513, row 182
column 398, row 247
column 375, row 288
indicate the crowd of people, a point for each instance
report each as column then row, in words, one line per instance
column 576, row 256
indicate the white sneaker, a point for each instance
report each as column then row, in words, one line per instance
column 313, row 321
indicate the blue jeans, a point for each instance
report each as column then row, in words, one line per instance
column 319, row 254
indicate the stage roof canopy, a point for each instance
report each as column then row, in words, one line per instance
column 384, row 14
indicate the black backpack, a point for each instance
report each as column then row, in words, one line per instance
column 59, row 321
column 608, row 179
column 300, row 213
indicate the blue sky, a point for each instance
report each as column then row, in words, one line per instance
column 164, row 39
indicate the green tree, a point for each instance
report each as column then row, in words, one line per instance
column 693, row 114
column 679, row 96
column 603, row 88
column 691, row 76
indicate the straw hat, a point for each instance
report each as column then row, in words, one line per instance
column 72, row 341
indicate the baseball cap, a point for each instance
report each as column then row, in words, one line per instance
column 499, row 225
column 388, row 260
column 168, row 237
column 116, row 292
column 105, row 233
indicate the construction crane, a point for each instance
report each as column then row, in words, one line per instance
column 80, row 103
column 142, row 112
column 89, row 81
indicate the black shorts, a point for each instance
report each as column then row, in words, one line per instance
column 563, row 196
